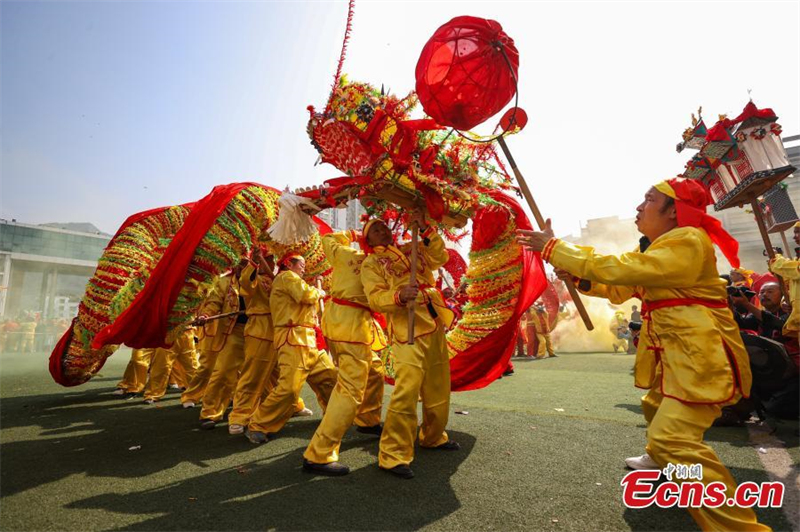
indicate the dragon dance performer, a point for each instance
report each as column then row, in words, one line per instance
column 353, row 336
column 790, row 271
column 207, row 358
column 135, row 377
column 541, row 324
column 294, row 314
column 421, row 369
column 691, row 356
column 260, row 357
column 228, row 343
column 182, row 352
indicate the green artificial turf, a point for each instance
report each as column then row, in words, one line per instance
column 541, row 450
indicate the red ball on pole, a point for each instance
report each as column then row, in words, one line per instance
column 467, row 72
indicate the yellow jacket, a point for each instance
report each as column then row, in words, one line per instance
column 790, row 270
column 702, row 357
column 340, row 322
column 540, row 321
column 386, row 270
column 222, row 298
column 294, row 310
column 255, row 288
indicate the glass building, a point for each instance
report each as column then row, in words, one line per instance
column 44, row 270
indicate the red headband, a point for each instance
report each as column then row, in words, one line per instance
column 691, row 199
column 288, row 258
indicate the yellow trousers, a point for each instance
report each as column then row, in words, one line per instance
column 197, row 384
column 297, row 365
column 358, row 396
column 422, row 369
column 222, row 384
column 135, row 376
column 545, row 348
column 258, row 376
column 675, row 436
column 162, row 362
column 179, row 375
column 26, row 342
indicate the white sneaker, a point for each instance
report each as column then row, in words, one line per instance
column 188, row 404
column 641, row 462
column 235, row 429
column 119, row 391
column 149, row 401
column 174, row 387
column 304, row 413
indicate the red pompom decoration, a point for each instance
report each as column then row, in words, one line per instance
column 462, row 76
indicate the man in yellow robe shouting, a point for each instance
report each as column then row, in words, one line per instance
column 422, row 369
column 353, row 336
column 692, row 358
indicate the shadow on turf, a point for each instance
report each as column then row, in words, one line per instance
column 274, row 493
column 80, row 435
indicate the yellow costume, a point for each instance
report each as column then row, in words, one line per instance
column 541, row 324
column 421, row 369
column 27, row 336
column 207, row 359
column 294, row 315
column 182, row 351
column 790, row 271
column 690, row 356
column 258, row 371
column 353, row 336
column 135, row 376
column 228, row 343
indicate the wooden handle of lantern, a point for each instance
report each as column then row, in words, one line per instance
column 762, row 228
column 526, row 192
column 412, row 280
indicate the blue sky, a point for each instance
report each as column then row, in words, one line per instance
column 109, row 108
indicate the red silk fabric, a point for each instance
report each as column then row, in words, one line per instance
column 56, row 367
column 462, row 76
column 484, row 362
column 144, row 323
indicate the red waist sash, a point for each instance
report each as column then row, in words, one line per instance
column 377, row 316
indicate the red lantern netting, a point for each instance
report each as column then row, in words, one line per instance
column 462, row 75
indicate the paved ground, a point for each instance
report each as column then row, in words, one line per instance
column 542, row 450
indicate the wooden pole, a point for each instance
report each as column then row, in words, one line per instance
column 762, row 227
column 526, row 192
column 787, row 250
column 217, row 317
column 412, row 281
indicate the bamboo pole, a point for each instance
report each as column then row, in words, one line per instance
column 526, row 192
column 762, row 228
column 413, row 281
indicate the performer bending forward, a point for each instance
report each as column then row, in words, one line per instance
column 421, row 369
column 293, row 305
column 690, row 356
column 353, row 336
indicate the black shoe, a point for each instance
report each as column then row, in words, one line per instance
column 333, row 469
column 402, row 471
column 255, row 436
column 508, row 373
column 449, row 445
column 208, row 424
column 375, row 430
